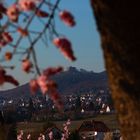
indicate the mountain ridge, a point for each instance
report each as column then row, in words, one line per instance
column 69, row 82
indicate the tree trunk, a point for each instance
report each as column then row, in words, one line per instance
column 118, row 24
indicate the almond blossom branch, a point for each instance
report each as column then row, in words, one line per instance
column 47, row 25
column 13, row 27
column 27, row 25
column 35, row 61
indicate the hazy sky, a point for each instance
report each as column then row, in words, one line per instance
column 84, row 37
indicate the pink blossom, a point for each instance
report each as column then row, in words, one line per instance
column 51, row 135
column 54, row 96
column 67, row 18
column 29, row 137
column 41, row 137
column 68, row 122
column 26, row 65
column 7, row 37
column 51, row 85
column 52, row 71
column 8, row 55
column 2, row 76
column 13, row 13
column 3, row 43
column 66, row 130
column 22, row 31
column 27, row 5
column 42, row 82
column 59, row 104
column 20, row 135
column 7, row 78
column 34, row 85
column 11, row 79
column 65, row 47
column 42, row 14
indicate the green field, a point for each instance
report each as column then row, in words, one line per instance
column 38, row 127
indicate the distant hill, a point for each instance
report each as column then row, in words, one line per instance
column 20, row 91
column 78, row 81
column 69, row 82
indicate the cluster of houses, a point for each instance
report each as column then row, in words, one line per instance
column 86, row 104
column 89, row 103
column 88, row 130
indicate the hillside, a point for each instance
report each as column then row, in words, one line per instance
column 69, row 82
column 78, row 81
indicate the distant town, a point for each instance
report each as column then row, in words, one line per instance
column 86, row 101
column 41, row 107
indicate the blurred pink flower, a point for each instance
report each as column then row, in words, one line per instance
column 7, row 78
column 34, row 85
column 42, row 82
column 7, row 37
column 41, row 137
column 65, row 47
column 41, row 13
column 13, row 13
column 52, row 71
column 20, row 135
column 29, row 137
column 26, row 65
column 23, row 32
column 51, row 135
column 27, row 5
column 67, row 18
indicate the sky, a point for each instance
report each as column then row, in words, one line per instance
column 84, row 38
